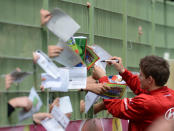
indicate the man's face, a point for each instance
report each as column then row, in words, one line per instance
column 143, row 81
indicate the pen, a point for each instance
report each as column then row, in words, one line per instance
column 117, row 61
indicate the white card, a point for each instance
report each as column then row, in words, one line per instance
column 36, row 105
column 65, row 105
column 60, row 117
column 47, row 65
column 77, row 77
column 104, row 55
column 62, row 25
column 51, row 125
column 90, row 99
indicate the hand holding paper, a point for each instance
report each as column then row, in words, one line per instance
column 60, row 121
column 36, row 105
column 54, row 50
column 9, row 78
column 38, row 117
column 47, row 65
column 45, row 16
column 21, row 102
column 62, row 25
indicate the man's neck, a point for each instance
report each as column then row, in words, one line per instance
column 154, row 88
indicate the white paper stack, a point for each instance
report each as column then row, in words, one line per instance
column 60, row 84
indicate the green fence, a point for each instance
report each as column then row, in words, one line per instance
column 112, row 24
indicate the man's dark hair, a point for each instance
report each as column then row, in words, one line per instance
column 157, row 67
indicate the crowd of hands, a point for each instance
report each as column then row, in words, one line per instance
column 53, row 50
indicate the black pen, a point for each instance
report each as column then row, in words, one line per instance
column 117, row 61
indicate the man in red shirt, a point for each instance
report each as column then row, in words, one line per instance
column 153, row 98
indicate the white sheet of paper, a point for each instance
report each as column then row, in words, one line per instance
column 90, row 99
column 36, row 105
column 65, row 105
column 104, row 55
column 67, row 57
column 62, row 25
column 51, row 125
column 59, row 84
column 77, row 77
column 47, row 65
column 60, row 117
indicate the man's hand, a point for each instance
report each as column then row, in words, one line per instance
column 42, row 87
column 35, row 57
column 38, row 117
column 9, row 79
column 118, row 66
column 97, row 88
column 56, row 103
column 21, row 102
column 91, row 80
column 98, row 72
column 54, row 50
column 45, row 16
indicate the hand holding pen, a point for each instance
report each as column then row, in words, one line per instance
column 117, row 62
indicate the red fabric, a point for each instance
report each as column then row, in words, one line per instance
column 104, row 79
column 142, row 109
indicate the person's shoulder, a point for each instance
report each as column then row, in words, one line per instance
column 171, row 90
column 143, row 97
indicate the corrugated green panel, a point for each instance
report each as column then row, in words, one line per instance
column 3, row 109
column 164, row 36
column 140, row 9
column 83, row 2
column 78, row 12
column 161, row 51
column 132, row 31
column 110, row 5
column 169, row 37
column 160, row 37
column 165, row 14
column 135, row 52
column 21, row 11
column 19, row 41
column 108, row 24
column 13, row 119
column 113, row 46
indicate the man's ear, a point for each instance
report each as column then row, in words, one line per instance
column 151, row 80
